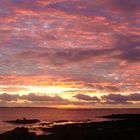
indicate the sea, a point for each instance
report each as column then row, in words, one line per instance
column 52, row 116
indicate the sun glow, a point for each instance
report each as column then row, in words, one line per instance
column 50, row 90
column 23, row 90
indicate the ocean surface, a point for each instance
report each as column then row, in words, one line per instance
column 50, row 117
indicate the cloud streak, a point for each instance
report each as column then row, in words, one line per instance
column 78, row 99
column 86, row 97
column 121, row 99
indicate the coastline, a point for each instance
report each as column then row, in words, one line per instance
column 127, row 128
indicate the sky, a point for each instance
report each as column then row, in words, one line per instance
column 70, row 53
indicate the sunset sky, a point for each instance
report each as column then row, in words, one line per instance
column 70, row 53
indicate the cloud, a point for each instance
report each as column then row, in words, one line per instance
column 8, row 97
column 41, row 98
column 115, row 98
column 65, row 56
column 31, row 97
column 80, row 99
column 121, row 99
column 112, row 88
column 12, row 89
column 86, row 97
column 128, row 46
column 127, row 6
column 110, row 98
column 133, row 97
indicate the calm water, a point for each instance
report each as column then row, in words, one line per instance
column 50, row 115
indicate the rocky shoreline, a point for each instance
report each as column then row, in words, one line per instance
column 127, row 128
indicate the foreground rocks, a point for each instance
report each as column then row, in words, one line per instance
column 18, row 134
column 21, row 134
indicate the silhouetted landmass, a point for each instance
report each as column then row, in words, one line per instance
column 123, row 116
column 23, row 121
column 21, row 134
column 18, row 134
column 61, row 121
column 126, row 129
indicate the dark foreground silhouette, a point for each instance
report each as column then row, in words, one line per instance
column 123, row 116
column 126, row 129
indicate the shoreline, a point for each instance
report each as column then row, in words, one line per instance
column 127, row 128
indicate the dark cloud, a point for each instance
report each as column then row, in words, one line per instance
column 125, row 47
column 127, row 6
column 115, row 98
column 133, row 97
column 63, row 56
column 81, row 99
column 128, row 46
column 8, row 97
column 31, row 97
column 121, row 99
column 40, row 100
column 123, row 8
column 131, row 55
column 79, row 7
column 5, row 10
column 35, row 97
column 112, row 88
column 86, row 97
column 88, row 7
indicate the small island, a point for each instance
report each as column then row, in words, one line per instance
column 23, row 121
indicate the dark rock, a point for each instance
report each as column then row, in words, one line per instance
column 18, row 134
